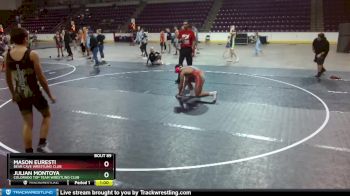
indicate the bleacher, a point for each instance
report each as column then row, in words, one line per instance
column 264, row 15
column 46, row 23
column 157, row 17
column 246, row 15
column 335, row 12
column 106, row 18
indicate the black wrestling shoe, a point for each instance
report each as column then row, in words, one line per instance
column 318, row 75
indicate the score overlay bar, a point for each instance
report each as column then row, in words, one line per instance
column 60, row 169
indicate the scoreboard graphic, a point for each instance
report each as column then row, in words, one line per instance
column 93, row 169
column 68, row 174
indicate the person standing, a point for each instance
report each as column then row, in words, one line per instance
column 176, row 40
column 94, row 48
column 59, row 43
column 144, row 42
column 132, row 29
column 4, row 46
column 187, row 39
column 227, row 47
column 67, row 39
column 168, row 39
column 81, row 41
column 195, row 31
column 35, row 38
column 93, row 44
column 23, row 69
column 3, row 49
column 100, row 41
column 139, row 37
column 162, row 42
column 79, row 36
column 73, row 33
column 320, row 47
column 30, row 42
column 2, row 64
column 87, row 44
column 1, row 29
column 18, row 19
column 233, row 35
column 258, row 49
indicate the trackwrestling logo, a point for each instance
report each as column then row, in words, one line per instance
column 33, row 192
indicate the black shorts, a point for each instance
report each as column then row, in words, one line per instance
column 320, row 61
column 39, row 102
column 73, row 36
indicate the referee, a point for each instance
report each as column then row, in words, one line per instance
column 187, row 39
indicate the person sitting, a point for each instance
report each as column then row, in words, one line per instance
column 154, row 57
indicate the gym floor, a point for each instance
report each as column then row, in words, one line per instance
column 274, row 125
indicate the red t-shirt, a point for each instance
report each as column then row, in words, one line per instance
column 187, row 37
column 162, row 37
column 132, row 27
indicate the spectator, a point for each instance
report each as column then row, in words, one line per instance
column 86, row 41
column 100, row 41
column 162, row 42
column 139, row 37
column 195, row 31
column 59, row 43
column 144, row 42
column 176, row 40
column 94, row 48
column 154, row 57
column 3, row 48
column 233, row 35
column 258, row 49
column 227, row 47
column 132, row 29
column 67, row 40
column 82, row 41
column 17, row 19
column 35, row 38
column 73, row 33
column 168, row 39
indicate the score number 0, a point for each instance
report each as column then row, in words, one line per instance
column 106, row 164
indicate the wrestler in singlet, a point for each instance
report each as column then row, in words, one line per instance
column 189, row 75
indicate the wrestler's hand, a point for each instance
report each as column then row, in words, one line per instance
column 16, row 98
column 178, row 96
column 53, row 99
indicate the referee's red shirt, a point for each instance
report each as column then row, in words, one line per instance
column 187, row 37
